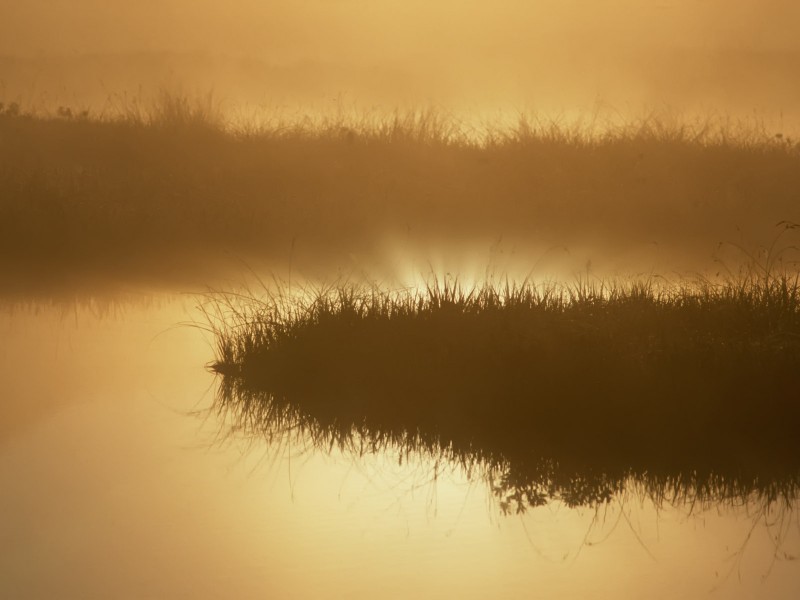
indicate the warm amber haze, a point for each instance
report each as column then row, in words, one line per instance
column 554, row 56
column 399, row 299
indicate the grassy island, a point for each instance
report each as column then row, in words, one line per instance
column 564, row 391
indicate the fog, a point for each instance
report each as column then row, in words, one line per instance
column 450, row 360
column 737, row 57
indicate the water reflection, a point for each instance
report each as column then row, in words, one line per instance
column 519, row 476
column 110, row 490
column 733, row 526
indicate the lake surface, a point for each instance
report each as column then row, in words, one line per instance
column 118, row 481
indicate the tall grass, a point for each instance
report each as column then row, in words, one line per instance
column 174, row 186
column 567, row 391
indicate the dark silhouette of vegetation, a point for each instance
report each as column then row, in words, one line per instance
column 171, row 189
column 569, row 392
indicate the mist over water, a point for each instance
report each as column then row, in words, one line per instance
column 500, row 297
column 735, row 59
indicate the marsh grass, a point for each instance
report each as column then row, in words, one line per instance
column 171, row 186
column 551, row 391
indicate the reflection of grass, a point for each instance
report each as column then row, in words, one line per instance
column 145, row 184
column 563, row 391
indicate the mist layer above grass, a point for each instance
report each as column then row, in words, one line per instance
column 172, row 188
column 565, row 391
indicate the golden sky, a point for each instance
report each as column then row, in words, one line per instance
column 522, row 51
column 375, row 30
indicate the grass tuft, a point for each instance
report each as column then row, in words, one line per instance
column 566, row 391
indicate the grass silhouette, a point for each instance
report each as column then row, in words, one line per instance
column 551, row 391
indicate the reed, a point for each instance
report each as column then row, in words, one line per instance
column 568, row 391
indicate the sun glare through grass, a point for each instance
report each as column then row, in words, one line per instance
column 477, row 300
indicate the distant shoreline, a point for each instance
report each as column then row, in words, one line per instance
column 165, row 188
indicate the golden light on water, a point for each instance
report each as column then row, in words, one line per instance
column 142, row 484
column 184, row 183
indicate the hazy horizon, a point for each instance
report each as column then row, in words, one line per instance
column 382, row 298
column 731, row 58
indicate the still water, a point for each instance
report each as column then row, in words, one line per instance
column 118, row 481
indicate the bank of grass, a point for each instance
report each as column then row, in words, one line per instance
column 552, row 391
column 173, row 186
